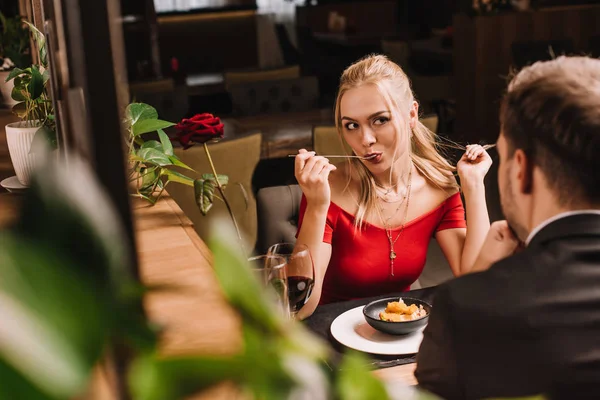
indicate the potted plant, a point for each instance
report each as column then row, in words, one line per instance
column 34, row 108
column 14, row 52
column 153, row 164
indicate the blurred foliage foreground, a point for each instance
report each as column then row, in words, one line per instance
column 67, row 299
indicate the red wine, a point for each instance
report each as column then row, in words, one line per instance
column 299, row 289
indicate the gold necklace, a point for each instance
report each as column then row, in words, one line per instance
column 388, row 230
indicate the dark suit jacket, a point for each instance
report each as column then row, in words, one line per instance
column 528, row 325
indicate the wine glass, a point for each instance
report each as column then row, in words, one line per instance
column 270, row 271
column 300, row 273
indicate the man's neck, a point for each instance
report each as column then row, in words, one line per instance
column 546, row 212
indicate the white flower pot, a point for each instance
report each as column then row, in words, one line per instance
column 6, row 89
column 19, row 136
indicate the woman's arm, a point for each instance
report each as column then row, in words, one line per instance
column 312, row 173
column 461, row 247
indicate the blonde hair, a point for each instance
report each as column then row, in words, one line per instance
column 394, row 86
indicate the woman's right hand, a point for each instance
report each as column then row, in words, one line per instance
column 312, row 173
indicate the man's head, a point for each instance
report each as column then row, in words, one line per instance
column 549, row 143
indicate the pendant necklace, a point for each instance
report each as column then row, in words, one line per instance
column 388, row 230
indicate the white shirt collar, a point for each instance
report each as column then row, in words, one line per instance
column 556, row 218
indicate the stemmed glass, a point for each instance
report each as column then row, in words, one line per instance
column 300, row 273
column 270, row 271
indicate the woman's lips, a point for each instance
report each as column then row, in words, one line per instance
column 373, row 157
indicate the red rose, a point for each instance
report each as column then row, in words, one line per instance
column 199, row 129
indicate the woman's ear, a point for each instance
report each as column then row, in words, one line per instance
column 413, row 115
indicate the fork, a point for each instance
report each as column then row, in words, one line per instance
column 336, row 156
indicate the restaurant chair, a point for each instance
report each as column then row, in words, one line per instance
column 277, row 210
column 274, row 96
column 236, row 158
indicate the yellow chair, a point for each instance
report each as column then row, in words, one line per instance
column 237, row 77
column 327, row 141
column 236, row 158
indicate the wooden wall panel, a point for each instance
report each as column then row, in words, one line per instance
column 483, row 59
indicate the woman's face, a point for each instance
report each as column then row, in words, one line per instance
column 368, row 129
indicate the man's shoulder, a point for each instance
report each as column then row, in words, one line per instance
column 500, row 286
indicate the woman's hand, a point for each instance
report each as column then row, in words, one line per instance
column 312, row 173
column 473, row 165
column 499, row 244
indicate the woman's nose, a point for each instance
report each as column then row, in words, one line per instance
column 368, row 137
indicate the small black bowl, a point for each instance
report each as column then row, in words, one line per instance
column 372, row 310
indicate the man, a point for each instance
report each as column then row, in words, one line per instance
column 529, row 323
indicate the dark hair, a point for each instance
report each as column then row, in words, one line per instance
column 552, row 112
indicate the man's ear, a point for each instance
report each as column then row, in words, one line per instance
column 524, row 170
column 414, row 115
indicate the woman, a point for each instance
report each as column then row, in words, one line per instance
column 368, row 224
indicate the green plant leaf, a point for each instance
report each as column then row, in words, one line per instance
column 153, row 156
column 204, row 191
column 13, row 382
column 223, row 179
column 36, row 85
column 18, row 94
column 152, row 144
column 355, row 382
column 44, row 138
column 152, row 378
column 139, row 112
column 149, row 177
column 166, row 142
column 13, row 74
column 40, row 41
column 150, row 125
column 240, row 286
column 175, row 176
column 20, row 109
column 176, row 161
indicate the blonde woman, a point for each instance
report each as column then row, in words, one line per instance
column 368, row 223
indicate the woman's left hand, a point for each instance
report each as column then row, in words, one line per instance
column 473, row 165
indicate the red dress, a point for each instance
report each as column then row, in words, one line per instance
column 360, row 262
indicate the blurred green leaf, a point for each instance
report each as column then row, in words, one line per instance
column 153, row 156
column 152, row 378
column 240, row 286
column 176, row 161
column 166, row 142
column 355, row 382
column 175, row 176
column 40, row 41
column 36, row 85
column 266, row 377
column 139, row 112
column 45, row 297
column 14, row 73
column 18, row 94
column 44, row 138
column 16, row 386
column 150, row 125
column 153, row 144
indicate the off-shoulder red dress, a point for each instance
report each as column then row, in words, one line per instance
column 360, row 260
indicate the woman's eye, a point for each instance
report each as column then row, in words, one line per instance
column 380, row 120
column 351, row 126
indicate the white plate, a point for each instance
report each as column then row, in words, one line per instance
column 12, row 184
column 351, row 330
